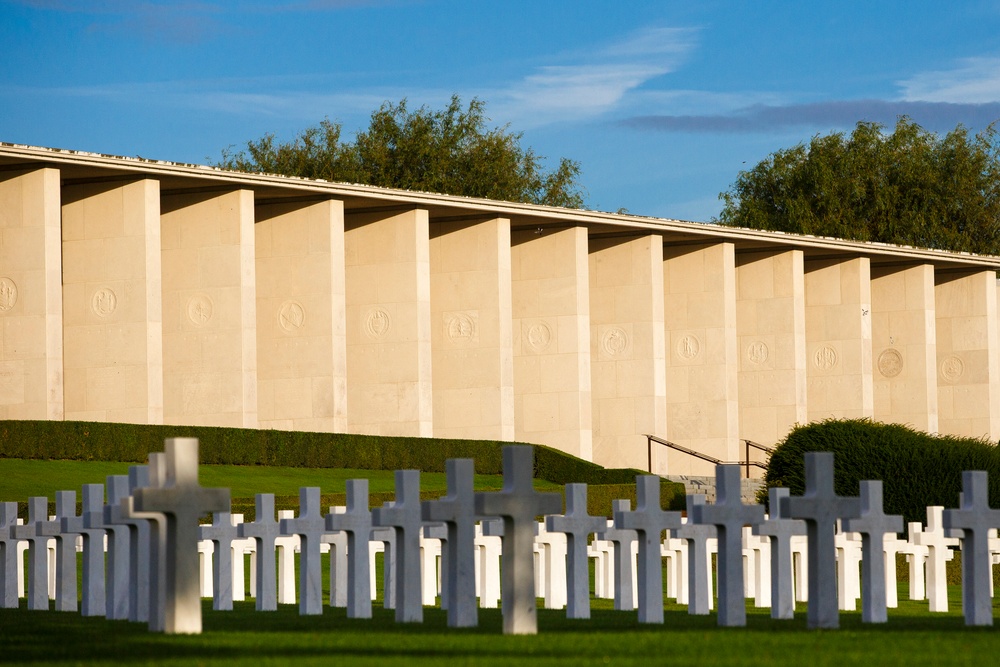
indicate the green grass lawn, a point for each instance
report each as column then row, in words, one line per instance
column 913, row 636
column 20, row 478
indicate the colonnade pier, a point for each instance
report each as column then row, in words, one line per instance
column 140, row 291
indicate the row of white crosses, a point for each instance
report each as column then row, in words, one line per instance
column 151, row 527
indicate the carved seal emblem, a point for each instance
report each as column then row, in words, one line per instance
column 952, row 368
column 825, row 358
column 461, row 328
column 377, row 323
column 200, row 309
column 758, row 352
column 688, row 347
column 539, row 335
column 291, row 316
column 615, row 341
column 104, row 302
column 890, row 363
column 8, row 294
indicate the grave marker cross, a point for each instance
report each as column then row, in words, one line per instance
column 577, row 525
column 38, row 577
column 699, row 574
column 310, row 526
column 222, row 532
column 874, row 525
column 780, row 529
column 8, row 555
column 357, row 523
column 976, row 518
column 65, row 550
column 157, row 476
column 119, row 550
column 92, row 595
column 622, row 541
column 729, row 515
column 139, row 544
column 457, row 511
column 183, row 501
column 820, row 507
column 264, row 531
column 404, row 517
column 649, row 521
column 518, row 504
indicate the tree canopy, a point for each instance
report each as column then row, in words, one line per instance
column 908, row 187
column 451, row 151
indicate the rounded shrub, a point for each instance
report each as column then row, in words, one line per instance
column 917, row 469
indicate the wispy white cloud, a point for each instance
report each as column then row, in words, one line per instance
column 596, row 83
column 973, row 81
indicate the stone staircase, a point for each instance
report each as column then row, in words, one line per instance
column 706, row 485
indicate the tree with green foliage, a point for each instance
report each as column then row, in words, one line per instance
column 451, row 151
column 908, row 187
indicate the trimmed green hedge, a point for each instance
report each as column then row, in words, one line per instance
column 917, row 469
column 100, row 441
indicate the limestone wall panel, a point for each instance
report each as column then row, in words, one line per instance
column 700, row 317
column 209, row 305
column 551, row 339
column 111, row 293
column 968, row 359
column 389, row 373
column 301, row 312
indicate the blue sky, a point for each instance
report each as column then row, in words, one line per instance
column 662, row 103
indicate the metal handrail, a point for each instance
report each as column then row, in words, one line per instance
column 756, row 445
column 650, row 439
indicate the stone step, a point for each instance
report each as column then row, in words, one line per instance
column 694, row 484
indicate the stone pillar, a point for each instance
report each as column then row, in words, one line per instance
column 389, row 390
column 839, row 339
column 301, row 315
column 770, row 323
column 552, row 402
column 627, row 348
column 700, row 319
column 904, row 346
column 967, row 356
column 31, row 311
column 209, row 309
column 113, row 353
column 471, row 329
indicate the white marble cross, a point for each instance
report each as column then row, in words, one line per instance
column 938, row 553
column 157, row 537
column 222, row 533
column 820, row 507
column 649, row 521
column 976, row 518
column 404, row 517
column 119, row 550
column 140, row 556
column 183, row 500
column 916, row 556
column 578, row 526
column 338, row 561
column 698, row 571
column 623, row 541
column 874, row 525
column 38, row 573
column 729, row 515
column 780, row 530
column 264, row 531
column 309, row 525
column 8, row 556
column 92, row 595
column 518, row 505
column 457, row 511
column 357, row 523
column 65, row 574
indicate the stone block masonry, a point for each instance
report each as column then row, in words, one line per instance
column 149, row 292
